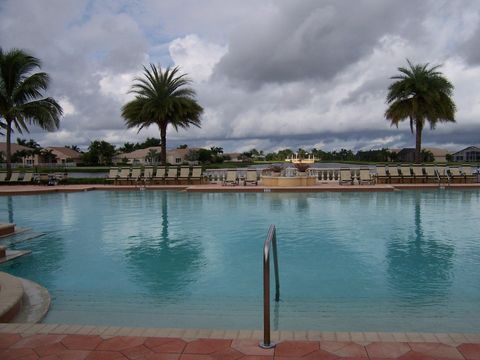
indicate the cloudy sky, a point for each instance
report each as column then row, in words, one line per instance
column 270, row 73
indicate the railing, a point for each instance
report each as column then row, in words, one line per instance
column 323, row 175
column 270, row 240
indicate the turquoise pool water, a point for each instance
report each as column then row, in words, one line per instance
column 401, row 261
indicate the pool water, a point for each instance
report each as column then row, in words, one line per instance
column 399, row 261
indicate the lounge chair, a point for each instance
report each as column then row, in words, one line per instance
column 27, row 177
column 196, row 174
column 345, row 177
column 443, row 174
column 393, row 175
column 431, row 174
column 147, row 174
column 136, row 175
column 160, row 174
column 3, row 176
column 470, row 177
column 46, row 179
column 184, row 174
column 15, row 177
column 172, row 174
column 251, row 177
column 418, row 175
column 112, row 175
column 123, row 175
column 231, row 178
column 456, row 175
column 381, row 176
column 406, row 174
column 365, row 177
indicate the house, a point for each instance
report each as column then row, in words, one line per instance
column 471, row 153
column 234, row 157
column 15, row 148
column 407, row 155
column 65, row 155
column 33, row 157
column 151, row 155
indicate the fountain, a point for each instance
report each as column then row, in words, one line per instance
column 279, row 176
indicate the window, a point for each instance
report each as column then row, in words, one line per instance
column 178, row 160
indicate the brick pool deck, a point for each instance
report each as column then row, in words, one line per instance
column 53, row 341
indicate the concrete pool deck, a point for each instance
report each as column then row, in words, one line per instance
column 54, row 341
column 327, row 187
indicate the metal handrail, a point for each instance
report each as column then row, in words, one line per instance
column 270, row 240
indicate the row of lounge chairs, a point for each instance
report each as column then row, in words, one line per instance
column 347, row 177
column 232, row 178
column 424, row 174
column 161, row 174
column 30, row 178
column 17, row 177
column 408, row 174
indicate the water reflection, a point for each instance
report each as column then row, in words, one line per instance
column 10, row 209
column 419, row 264
column 168, row 261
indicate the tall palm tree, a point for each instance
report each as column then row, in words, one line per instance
column 162, row 98
column 21, row 102
column 420, row 94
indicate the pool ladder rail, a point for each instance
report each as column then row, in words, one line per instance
column 270, row 242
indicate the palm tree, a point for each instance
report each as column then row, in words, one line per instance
column 420, row 94
column 152, row 156
column 162, row 98
column 21, row 102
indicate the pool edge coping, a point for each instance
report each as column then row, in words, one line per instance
column 35, row 190
column 453, row 339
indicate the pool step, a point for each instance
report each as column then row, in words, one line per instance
column 20, row 235
column 11, row 293
column 6, row 229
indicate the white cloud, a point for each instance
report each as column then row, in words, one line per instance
column 269, row 74
column 196, row 57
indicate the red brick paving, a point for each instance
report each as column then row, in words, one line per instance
column 88, row 347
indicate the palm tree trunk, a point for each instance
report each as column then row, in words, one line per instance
column 9, row 150
column 418, row 141
column 163, row 144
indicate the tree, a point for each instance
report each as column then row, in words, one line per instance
column 48, row 156
column 99, row 153
column 21, row 102
column 162, row 98
column 152, row 156
column 420, row 94
column 30, row 143
column 73, row 147
column 183, row 146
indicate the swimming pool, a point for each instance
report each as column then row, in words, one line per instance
column 399, row 261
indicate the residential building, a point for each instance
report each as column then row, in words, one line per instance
column 469, row 154
column 151, row 156
column 61, row 155
column 65, row 155
column 407, row 155
column 234, row 157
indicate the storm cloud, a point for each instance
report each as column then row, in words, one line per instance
column 270, row 74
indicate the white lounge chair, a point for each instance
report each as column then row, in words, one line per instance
column 231, row 178
column 345, row 177
column 251, row 177
column 365, row 177
column 196, row 174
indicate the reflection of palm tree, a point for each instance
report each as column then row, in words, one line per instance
column 166, row 263
column 10, row 209
column 419, row 267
